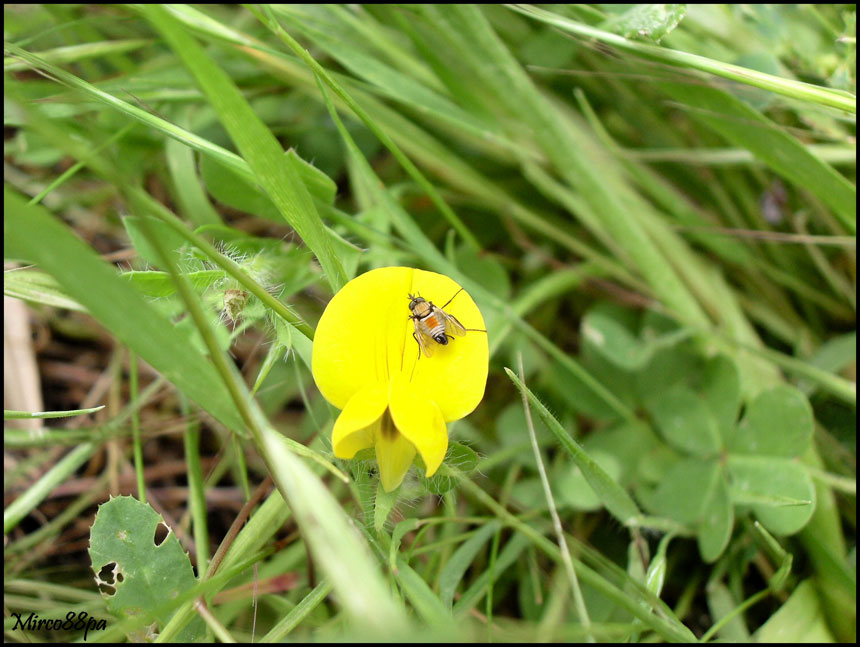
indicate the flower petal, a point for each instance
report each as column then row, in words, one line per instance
column 419, row 421
column 361, row 335
column 456, row 376
column 351, row 431
column 394, row 454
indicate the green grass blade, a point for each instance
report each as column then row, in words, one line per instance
column 289, row 622
column 407, row 164
column 745, row 127
column 455, row 568
column 74, row 53
column 334, row 542
column 278, row 176
column 613, row 496
column 36, row 493
column 34, row 234
column 27, row 415
column 37, row 287
column 787, row 87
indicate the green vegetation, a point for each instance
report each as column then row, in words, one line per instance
column 654, row 208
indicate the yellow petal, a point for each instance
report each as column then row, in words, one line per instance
column 456, row 376
column 352, row 431
column 394, row 453
column 419, row 421
column 360, row 337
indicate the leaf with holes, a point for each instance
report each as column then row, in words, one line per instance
column 135, row 572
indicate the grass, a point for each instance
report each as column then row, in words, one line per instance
column 654, row 208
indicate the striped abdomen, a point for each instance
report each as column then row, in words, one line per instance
column 433, row 327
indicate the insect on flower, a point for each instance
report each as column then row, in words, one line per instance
column 433, row 324
column 389, row 400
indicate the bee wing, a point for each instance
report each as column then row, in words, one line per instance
column 452, row 325
column 425, row 343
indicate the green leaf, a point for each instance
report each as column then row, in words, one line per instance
column 777, row 554
column 579, row 395
column 280, row 177
column 656, row 575
column 323, row 24
column 721, row 603
column 32, row 233
column 405, row 526
column 610, row 337
column 484, row 269
column 777, row 423
column 626, row 443
column 188, row 189
column 717, row 521
column 458, row 455
column 83, row 51
column 801, row 619
column 426, row 604
column 159, row 284
column 788, row 87
column 779, row 490
column 170, row 240
column 507, row 557
column 648, row 20
column 323, row 76
column 834, row 355
column 319, row 185
column 667, row 368
column 382, row 506
column 27, row 415
column 190, row 333
column 235, row 190
column 721, row 388
column 460, row 561
column 340, row 552
column 685, row 421
column 745, row 127
column 34, row 286
column 613, row 496
column 686, row 489
column 298, row 613
column 144, row 574
column 573, row 489
column 28, row 500
column 655, row 463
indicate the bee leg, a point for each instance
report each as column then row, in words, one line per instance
column 464, row 327
column 417, row 343
column 452, row 298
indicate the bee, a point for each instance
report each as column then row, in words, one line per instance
column 433, row 324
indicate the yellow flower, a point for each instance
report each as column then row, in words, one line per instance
column 366, row 362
